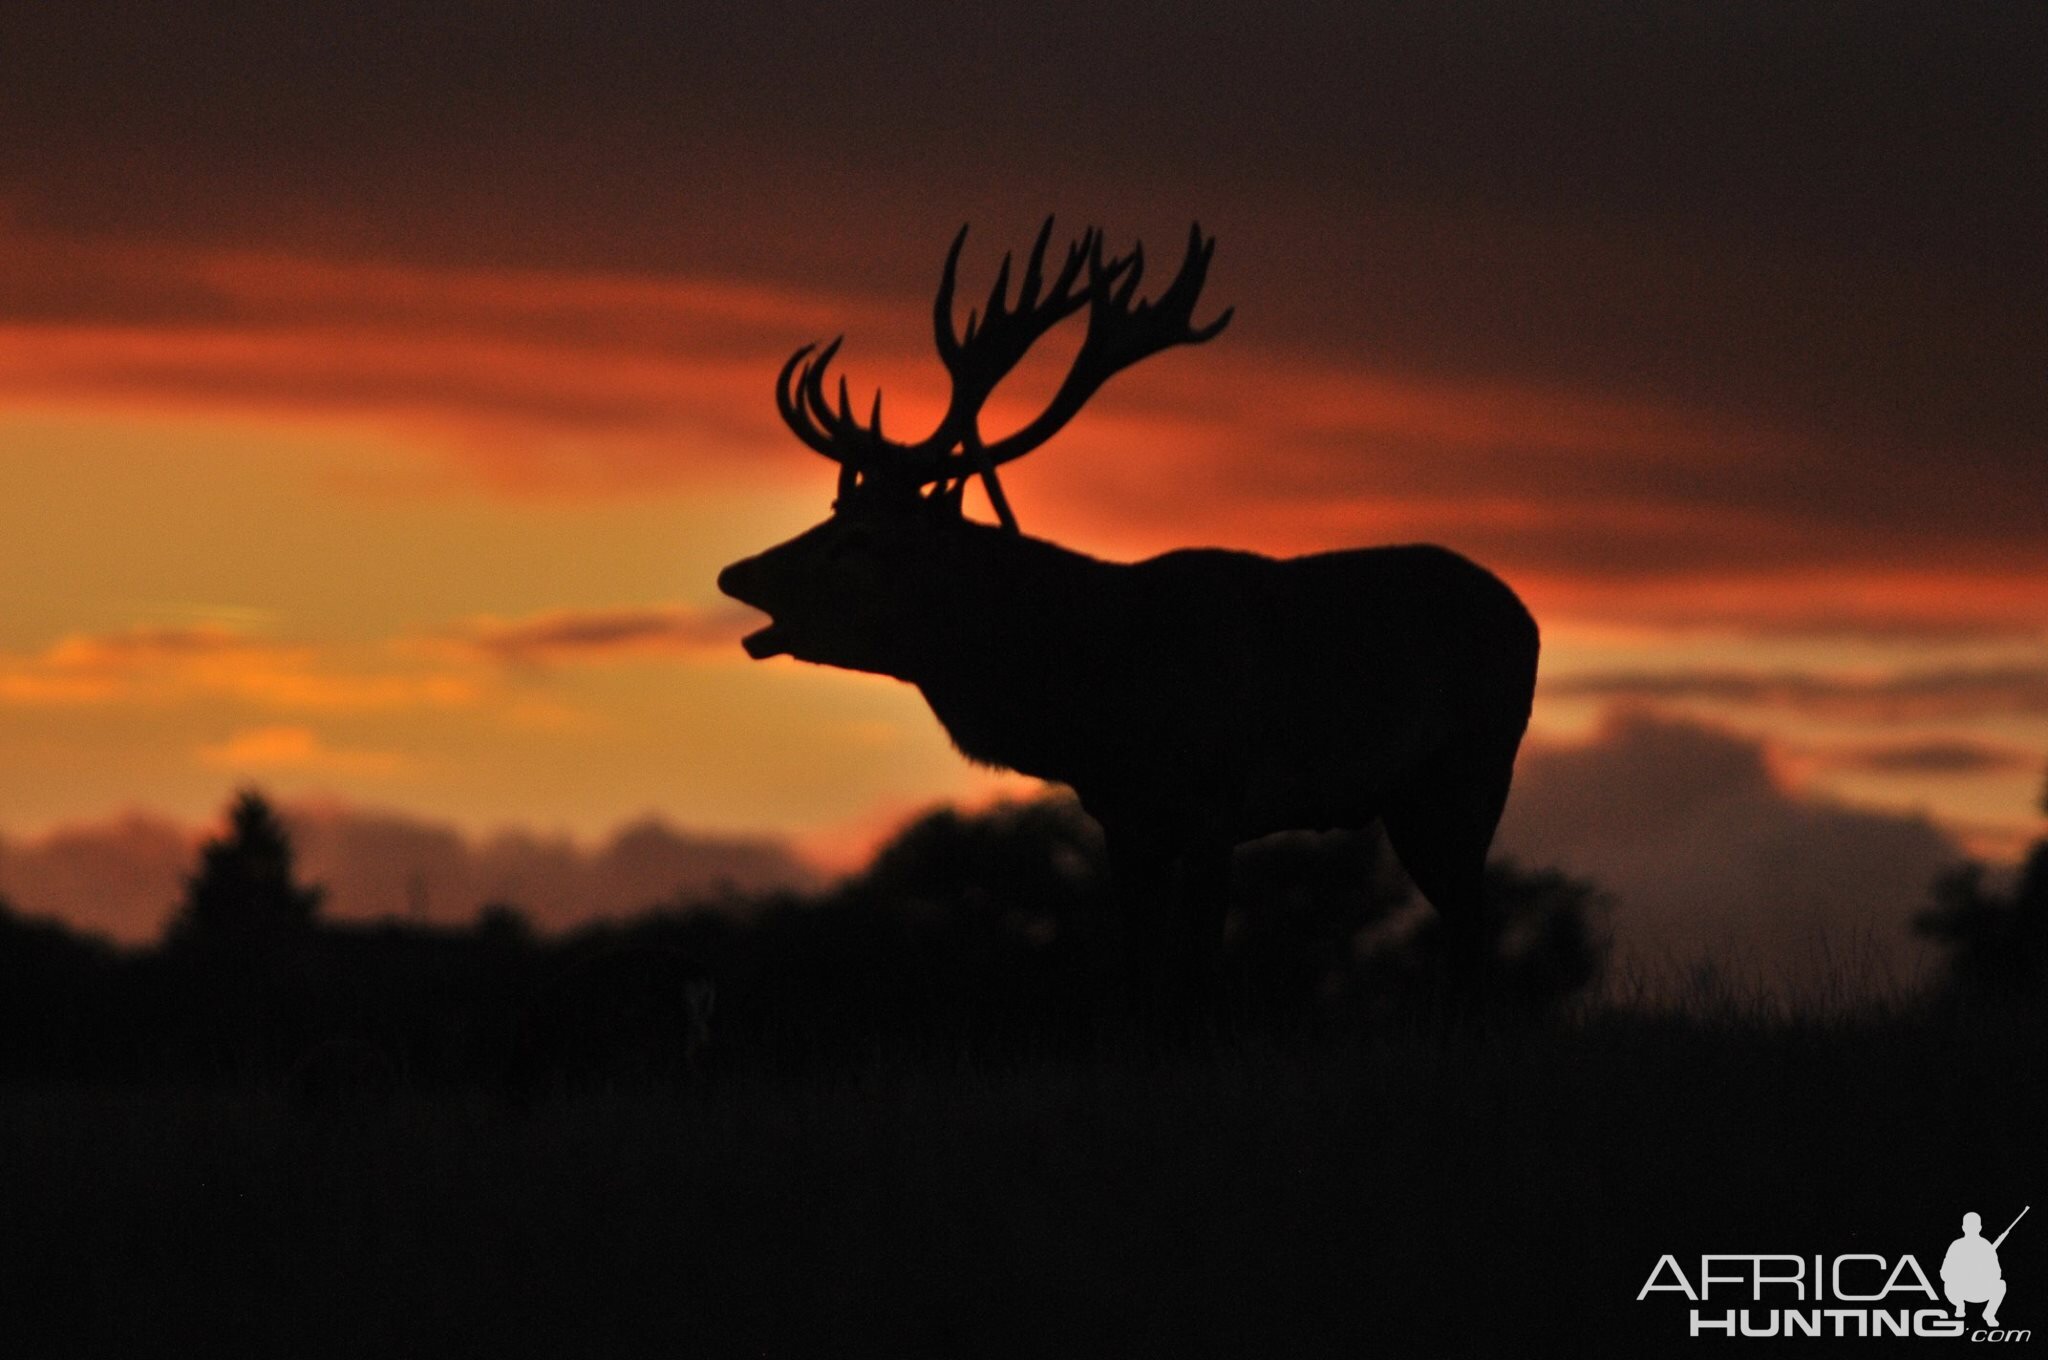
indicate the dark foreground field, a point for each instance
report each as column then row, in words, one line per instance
column 1482, row 1196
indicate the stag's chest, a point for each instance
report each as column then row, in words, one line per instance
column 1106, row 708
column 1009, row 727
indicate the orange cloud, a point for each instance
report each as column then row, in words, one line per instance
column 1914, row 759
column 1599, row 501
column 1711, row 854
column 530, row 380
column 605, row 634
column 161, row 666
column 1907, row 695
column 1933, row 604
column 95, row 668
column 140, row 646
column 262, row 750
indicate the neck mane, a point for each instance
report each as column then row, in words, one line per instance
column 1010, row 616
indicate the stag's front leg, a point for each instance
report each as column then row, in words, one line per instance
column 1205, row 898
column 1172, row 901
column 1141, row 882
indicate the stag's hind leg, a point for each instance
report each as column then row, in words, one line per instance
column 1441, row 829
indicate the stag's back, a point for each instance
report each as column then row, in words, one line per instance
column 1419, row 623
column 1309, row 691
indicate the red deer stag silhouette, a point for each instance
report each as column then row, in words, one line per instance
column 1192, row 701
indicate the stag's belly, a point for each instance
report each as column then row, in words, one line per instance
column 1329, row 780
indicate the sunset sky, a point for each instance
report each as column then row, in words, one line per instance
column 380, row 393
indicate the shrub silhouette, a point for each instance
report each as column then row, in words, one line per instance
column 987, row 935
column 1326, row 930
column 994, row 931
column 1997, row 942
column 611, row 1016
column 57, row 988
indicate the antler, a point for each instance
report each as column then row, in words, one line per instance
column 1121, row 332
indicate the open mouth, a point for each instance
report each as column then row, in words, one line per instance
column 736, row 581
column 763, row 643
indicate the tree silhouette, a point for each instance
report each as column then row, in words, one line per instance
column 244, row 899
column 1997, row 942
column 55, row 991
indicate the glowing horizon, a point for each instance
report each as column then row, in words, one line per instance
column 375, row 413
column 435, row 539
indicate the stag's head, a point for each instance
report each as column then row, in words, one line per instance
column 855, row 591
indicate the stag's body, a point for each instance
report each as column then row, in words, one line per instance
column 1209, row 697
column 1193, row 700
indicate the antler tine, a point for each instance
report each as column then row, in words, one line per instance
column 998, row 336
column 994, row 340
column 1135, row 263
column 1178, row 301
column 795, row 397
column 997, row 307
column 1121, row 332
column 1103, row 275
column 789, row 403
column 812, row 386
column 1034, row 266
column 1028, row 286
column 942, row 305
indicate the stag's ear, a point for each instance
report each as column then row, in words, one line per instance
column 946, row 496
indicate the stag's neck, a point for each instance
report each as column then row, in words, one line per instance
column 1016, row 624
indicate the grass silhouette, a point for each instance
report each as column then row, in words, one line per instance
column 898, row 1133
column 1477, row 1194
